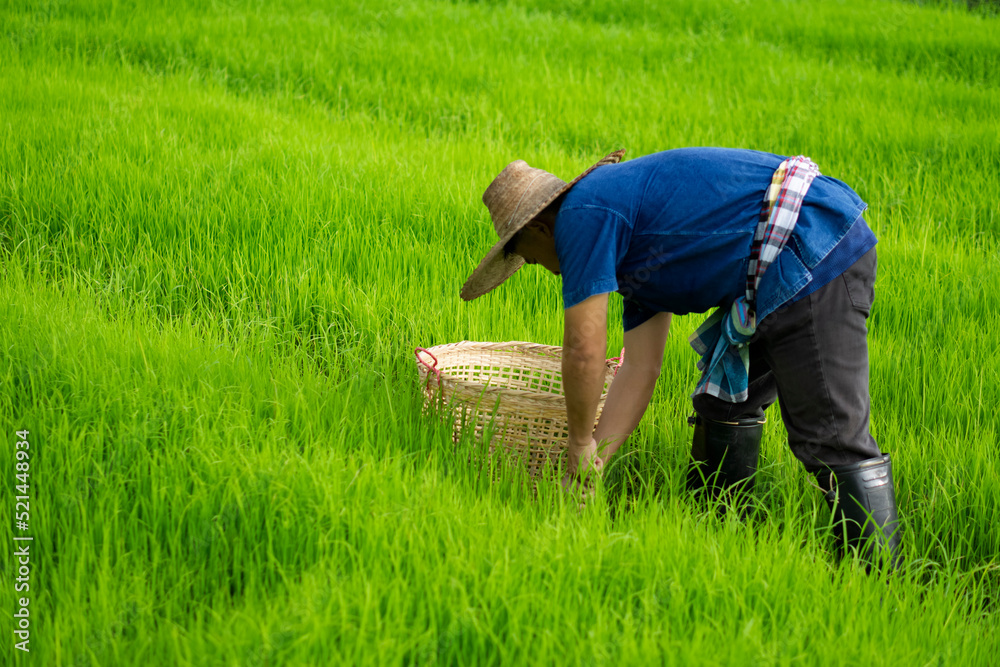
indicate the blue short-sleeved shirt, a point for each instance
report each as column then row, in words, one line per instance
column 671, row 232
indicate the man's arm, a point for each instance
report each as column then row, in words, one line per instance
column 585, row 342
column 629, row 394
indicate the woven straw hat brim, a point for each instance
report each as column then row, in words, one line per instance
column 495, row 268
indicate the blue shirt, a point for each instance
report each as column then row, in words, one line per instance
column 671, row 232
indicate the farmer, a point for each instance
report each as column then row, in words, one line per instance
column 784, row 257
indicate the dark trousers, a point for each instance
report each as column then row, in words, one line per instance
column 812, row 356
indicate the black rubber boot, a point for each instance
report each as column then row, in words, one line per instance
column 862, row 499
column 724, row 456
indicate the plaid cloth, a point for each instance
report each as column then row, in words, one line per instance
column 722, row 339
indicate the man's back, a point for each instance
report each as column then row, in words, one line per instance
column 672, row 231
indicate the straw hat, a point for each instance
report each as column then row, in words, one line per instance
column 514, row 198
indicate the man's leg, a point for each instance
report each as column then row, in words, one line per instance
column 818, row 350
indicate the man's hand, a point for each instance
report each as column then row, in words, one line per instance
column 583, row 459
column 582, row 462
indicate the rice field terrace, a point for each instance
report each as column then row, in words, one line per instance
column 225, row 226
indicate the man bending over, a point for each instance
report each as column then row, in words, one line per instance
column 783, row 255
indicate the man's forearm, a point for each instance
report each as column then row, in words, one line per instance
column 628, row 398
column 585, row 341
column 632, row 388
column 583, row 371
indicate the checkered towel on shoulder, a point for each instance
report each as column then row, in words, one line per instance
column 722, row 339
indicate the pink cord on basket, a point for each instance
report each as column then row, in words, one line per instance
column 434, row 368
column 619, row 360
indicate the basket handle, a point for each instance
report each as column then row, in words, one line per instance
column 433, row 368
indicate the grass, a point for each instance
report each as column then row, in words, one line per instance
column 224, row 228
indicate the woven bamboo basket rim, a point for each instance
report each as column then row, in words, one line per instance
column 439, row 354
column 441, row 362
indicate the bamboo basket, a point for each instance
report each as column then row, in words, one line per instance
column 510, row 392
